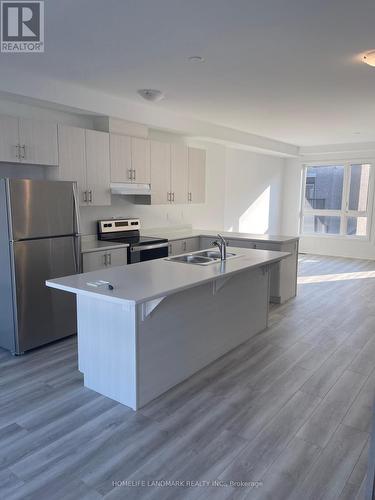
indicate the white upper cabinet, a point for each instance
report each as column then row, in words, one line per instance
column 197, row 175
column 160, row 172
column 27, row 140
column 38, row 142
column 84, row 158
column 120, row 153
column 140, row 160
column 9, row 139
column 98, row 168
column 130, row 159
column 179, row 173
column 95, row 159
column 72, row 159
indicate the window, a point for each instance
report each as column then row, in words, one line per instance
column 336, row 199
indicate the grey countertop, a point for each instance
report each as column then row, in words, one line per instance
column 182, row 233
column 153, row 279
column 92, row 244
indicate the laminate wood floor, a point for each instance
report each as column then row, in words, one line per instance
column 290, row 409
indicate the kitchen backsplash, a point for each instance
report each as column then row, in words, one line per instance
column 151, row 216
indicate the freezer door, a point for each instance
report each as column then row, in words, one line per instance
column 40, row 209
column 43, row 314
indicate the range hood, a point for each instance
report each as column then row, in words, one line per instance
column 125, row 188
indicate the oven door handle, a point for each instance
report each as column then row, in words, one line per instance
column 148, row 247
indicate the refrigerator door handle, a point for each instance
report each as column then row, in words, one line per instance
column 77, row 222
column 77, row 219
column 77, row 254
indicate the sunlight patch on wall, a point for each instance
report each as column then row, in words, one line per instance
column 257, row 217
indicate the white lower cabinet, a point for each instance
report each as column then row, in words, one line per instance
column 206, row 242
column 177, row 247
column 102, row 259
column 192, row 244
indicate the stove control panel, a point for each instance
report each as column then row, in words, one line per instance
column 117, row 225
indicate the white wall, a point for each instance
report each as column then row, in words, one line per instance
column 253, row 194
column 324, row 245
column 9, row 107
column 291, row 197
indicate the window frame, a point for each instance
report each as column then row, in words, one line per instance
column 344, row 213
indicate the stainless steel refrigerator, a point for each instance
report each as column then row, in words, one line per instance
column 39, row 240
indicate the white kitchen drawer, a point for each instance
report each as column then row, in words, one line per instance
column 102, row 259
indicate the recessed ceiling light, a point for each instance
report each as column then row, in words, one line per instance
column 196, row 59
column 152, row 95
column 369, row 58
column 357, row 133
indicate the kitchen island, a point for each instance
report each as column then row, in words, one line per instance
column 283, row 275
column 161, row 321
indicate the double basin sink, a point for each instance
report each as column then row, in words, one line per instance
column 203, row 258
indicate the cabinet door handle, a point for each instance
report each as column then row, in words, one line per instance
column 23, row 154
column 90, row 196
column 168, row 196
column 109, row 259
column 184, row 246
column 134, row 175
column 105, row 259
column 130, row 174
column 85, row 196
column 173, row 197
column 18, row 151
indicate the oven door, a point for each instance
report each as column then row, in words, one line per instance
column 147, row 252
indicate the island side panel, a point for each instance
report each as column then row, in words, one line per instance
column 284, row 274
column 190, row 329
column 107, row 348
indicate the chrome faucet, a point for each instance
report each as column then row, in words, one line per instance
column 222, row 245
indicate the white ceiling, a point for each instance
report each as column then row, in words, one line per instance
column 285, row 69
